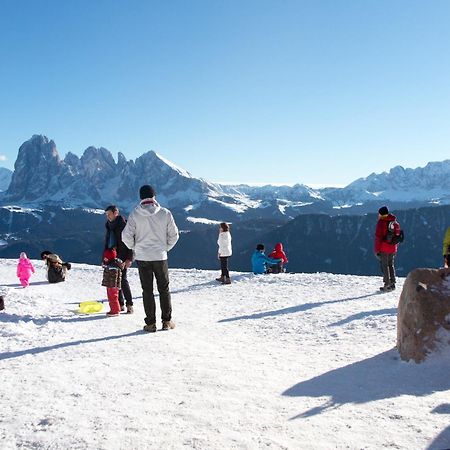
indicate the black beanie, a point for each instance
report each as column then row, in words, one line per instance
column 383, row 211
column 146, row 191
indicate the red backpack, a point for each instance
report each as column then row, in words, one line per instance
column 395, row 234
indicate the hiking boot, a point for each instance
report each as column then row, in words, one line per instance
column 150, row 328
column 227, row 280
column 220, row 279
column 112, row 314
column 130, row 309
column 168, row 325
column 387, row 288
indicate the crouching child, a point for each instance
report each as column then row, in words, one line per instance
column 112, row 277
column 56, row 268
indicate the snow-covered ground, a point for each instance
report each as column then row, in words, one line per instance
column 297, row 361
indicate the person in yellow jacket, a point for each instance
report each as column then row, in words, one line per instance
column 446, row 248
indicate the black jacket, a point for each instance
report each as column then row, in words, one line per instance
column 116, row 227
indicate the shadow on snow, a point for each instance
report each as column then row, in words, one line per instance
column 37, row 350
column 380, row 377
column 294, row 309
column 363, row 314
column 442, row 441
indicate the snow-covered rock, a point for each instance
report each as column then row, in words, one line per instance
column 423, row 322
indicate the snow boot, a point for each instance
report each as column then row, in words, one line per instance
column 112, row 314
column 387, row 288
column 221, row 279
column 168, row 325
column 150, row 328
column 227, row 280
column 130, row 309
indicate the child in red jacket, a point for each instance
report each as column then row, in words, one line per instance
column 278, row 253
column 112, row 275
column 24, row 270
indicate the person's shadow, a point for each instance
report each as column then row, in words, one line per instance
column 294, row 309
column 380, row 377
column 37, row 350
column 32, row 283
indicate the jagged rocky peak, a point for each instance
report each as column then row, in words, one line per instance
column 95, row 160
column 154, row 159
column 121, row 161
column 37, row 163
column 36, row 149
column 72, row 160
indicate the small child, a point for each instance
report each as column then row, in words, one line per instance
column 24, row 270
column 277, row 253
column 112, row 277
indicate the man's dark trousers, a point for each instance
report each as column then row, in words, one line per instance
column 387, row 267
column 125, row 291
column 160, row 270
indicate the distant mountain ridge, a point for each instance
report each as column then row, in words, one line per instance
column 42, row 177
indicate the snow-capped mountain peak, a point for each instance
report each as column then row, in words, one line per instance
column 173, row 166
column 96, row 179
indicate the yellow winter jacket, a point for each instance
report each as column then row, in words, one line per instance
column 446, row 245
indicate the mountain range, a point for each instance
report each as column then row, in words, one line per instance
column 57, row 203
column 94, row 180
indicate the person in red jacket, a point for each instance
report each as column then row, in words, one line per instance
column 385, row 251
column 278, row 253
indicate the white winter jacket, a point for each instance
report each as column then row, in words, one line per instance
column 224, row 242
column 150, row 231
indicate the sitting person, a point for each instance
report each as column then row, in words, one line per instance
column 260, row 260
column 278, row 253
column 56, row 268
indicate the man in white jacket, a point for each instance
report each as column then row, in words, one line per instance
column 151, row 232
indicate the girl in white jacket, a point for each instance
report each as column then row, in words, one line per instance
column 225, row 251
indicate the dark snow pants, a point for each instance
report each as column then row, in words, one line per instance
column 125, row 291
column 387, row 267
column 159, row 270
column 224, row 266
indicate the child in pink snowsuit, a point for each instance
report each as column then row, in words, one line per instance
column 24, row 269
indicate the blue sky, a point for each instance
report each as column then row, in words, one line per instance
column 314, row 92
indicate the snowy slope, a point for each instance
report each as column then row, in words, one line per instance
column 296, row 361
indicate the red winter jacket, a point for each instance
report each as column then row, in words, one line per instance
column 278, row 253
column 380, row 234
